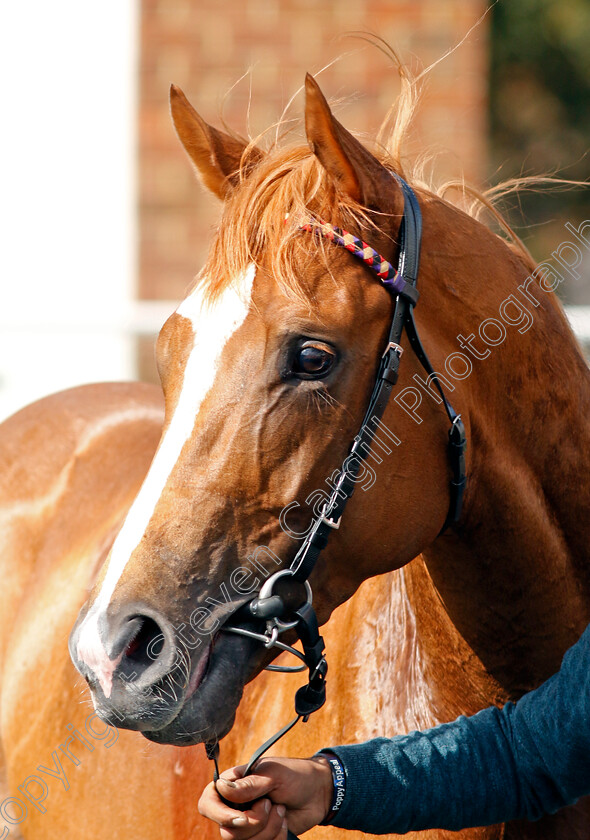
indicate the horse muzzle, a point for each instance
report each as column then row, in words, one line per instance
column 147, row 675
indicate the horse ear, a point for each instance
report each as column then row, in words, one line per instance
column 358, row 173
column 216, row 156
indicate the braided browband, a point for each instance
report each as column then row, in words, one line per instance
column 384, row 270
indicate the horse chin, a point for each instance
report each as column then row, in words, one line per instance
column 187, row 729
column 208, row 713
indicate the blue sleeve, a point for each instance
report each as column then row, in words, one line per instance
column 519, row 762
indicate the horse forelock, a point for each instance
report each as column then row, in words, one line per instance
column 287, row 186
column 262, row 220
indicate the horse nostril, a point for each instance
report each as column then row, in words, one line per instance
column 145, row 649
column 147, row 643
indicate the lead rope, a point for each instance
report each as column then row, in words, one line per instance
column 402, row 282
column 308, row 698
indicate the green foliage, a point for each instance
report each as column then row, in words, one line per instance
column 540, row 103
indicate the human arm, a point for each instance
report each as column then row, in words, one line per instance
column 303, row 787
column 519, row 762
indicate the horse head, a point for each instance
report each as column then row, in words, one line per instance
column 267, row 366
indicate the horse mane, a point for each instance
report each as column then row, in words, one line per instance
column 288, row 186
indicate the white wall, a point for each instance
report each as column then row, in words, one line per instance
column 67, row 193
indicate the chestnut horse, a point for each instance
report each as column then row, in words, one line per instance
column 266, row 368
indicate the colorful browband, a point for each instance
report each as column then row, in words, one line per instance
column 384, row 270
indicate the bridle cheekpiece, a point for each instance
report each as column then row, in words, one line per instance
column 267, row 605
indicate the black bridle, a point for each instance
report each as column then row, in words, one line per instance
column 269, row 606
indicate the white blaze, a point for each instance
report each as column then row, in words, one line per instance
column 212, row 326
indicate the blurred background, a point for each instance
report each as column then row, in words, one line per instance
column 104, row 226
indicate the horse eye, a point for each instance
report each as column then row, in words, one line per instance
column 312, row 361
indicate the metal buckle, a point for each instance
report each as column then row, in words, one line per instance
column 329, row 505
column 393, row 346
column 266, row 592
column 332, row 523
column 274, row 635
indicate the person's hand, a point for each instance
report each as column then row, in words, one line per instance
column 287, row 791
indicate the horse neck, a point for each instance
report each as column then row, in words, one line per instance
column 515, row 576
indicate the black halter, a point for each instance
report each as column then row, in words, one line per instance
column 409, row 258
column 270, row 607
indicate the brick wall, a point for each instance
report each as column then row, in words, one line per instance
column 205, row 46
